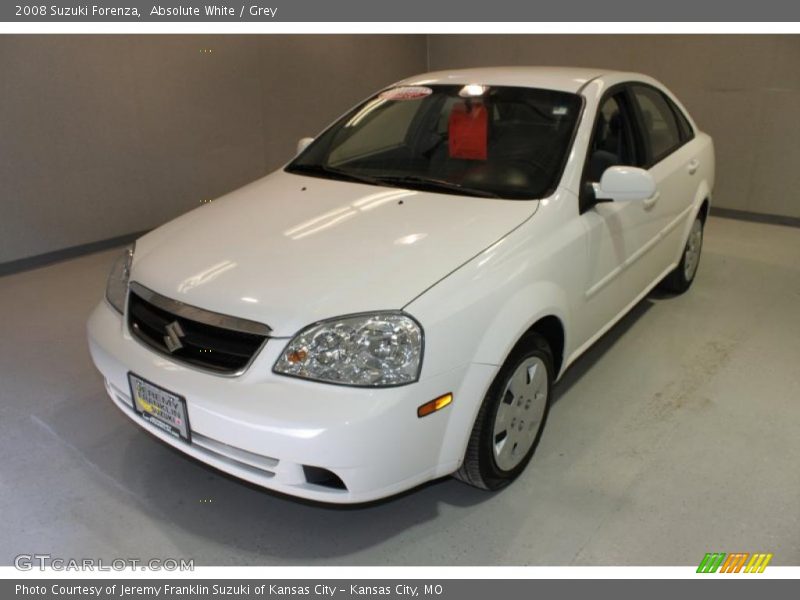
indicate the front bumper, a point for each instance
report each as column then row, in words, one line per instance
column 265, row 428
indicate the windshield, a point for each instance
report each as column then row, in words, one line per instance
column 494, row 141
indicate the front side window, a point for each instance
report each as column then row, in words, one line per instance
column 661, row 131
column 612, row 140
column 493, row 141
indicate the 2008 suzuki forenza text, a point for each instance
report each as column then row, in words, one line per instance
column 396, row 304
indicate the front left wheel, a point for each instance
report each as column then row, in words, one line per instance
column 511, row 419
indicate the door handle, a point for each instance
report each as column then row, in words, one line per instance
column 693, row 165
column 650, row 202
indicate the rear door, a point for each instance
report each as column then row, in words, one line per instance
column 672, row 157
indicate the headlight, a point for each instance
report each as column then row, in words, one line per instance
column 369, row 350
column 117, row 286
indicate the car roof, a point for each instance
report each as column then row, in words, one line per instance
column 566, row 79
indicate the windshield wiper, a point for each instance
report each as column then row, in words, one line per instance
column 335, row 173
column 416, row 181
column 435, row 184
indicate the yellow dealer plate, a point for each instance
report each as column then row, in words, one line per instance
column 160, row 407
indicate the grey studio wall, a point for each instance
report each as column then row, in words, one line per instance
column 104, row 136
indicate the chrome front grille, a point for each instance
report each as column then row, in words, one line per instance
column 207, row 340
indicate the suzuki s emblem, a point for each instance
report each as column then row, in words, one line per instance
column 173, row 337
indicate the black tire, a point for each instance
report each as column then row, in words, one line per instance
column 678, row 281
column 480, row 468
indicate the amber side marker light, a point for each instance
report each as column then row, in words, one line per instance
column 434, row 405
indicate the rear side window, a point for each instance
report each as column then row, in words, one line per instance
column 662, row 131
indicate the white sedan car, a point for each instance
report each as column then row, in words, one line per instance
column 396, row 303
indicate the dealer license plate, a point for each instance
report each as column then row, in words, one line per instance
column 160, row 407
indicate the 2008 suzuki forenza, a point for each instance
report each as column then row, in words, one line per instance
column 396, row 303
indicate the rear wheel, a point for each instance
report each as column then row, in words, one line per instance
column 679, row 280
column 511, row 419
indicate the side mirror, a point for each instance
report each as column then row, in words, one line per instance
column 303, row 143
column 625, row 183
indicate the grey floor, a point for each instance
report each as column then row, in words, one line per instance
column 678, row 434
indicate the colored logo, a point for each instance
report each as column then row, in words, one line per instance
column 737, row 562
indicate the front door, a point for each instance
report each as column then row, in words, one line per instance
column 620, row 234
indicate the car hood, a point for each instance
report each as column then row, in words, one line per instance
column 289, row 250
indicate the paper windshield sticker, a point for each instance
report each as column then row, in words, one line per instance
column 467, row 131
column 411, row 92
